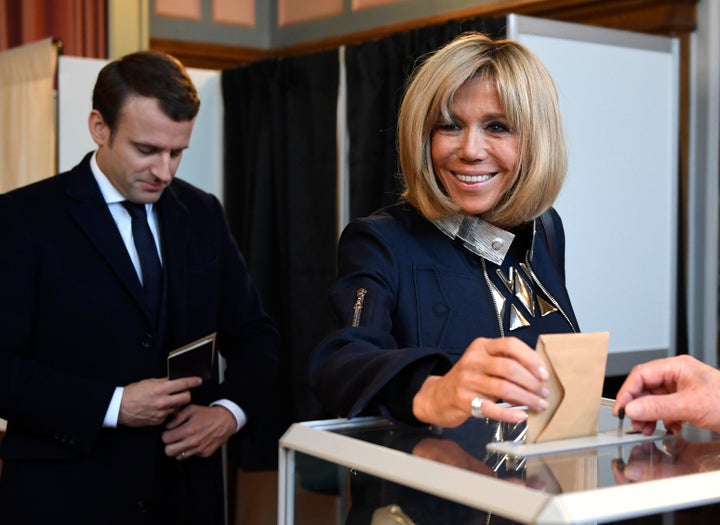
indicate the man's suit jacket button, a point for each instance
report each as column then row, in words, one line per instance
column 147, row 342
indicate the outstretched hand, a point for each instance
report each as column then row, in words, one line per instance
column 674, row 390
column 503, row 368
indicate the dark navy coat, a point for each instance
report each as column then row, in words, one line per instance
column 426, row 299
column 73, row 327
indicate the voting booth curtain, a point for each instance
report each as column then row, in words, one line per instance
column 28, row 138
column 280, row 165
column 32, row 35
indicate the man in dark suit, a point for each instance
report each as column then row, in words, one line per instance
column 96, row 432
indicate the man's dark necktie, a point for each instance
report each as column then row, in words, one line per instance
column 149, row 260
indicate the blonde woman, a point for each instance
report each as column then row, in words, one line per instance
column 440, row 298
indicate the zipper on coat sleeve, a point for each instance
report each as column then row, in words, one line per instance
column 358, row 306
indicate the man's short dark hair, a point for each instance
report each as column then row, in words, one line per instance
column 151, row 74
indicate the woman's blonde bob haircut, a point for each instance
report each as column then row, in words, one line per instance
column 528, row 96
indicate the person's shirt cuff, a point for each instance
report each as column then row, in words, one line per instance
column 113, row 411
column 236, row 411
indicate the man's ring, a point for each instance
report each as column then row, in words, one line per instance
column 476, row 407
column 182, row 455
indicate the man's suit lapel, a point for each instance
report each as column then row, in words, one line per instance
column 90, row 212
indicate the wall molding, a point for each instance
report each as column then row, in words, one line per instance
column 663, row 17
column 207, row 55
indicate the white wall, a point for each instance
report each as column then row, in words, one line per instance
column 703, row 188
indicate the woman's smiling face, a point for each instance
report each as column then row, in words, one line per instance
column 476, row 155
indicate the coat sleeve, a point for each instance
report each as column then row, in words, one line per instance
column 356, row 366
column 248, row 338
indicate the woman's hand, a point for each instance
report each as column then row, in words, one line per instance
column 492, row 369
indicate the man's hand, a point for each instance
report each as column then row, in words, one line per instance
column 149, row 402
column 198, row 431
column 674, row 390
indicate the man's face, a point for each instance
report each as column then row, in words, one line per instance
column 140, row 159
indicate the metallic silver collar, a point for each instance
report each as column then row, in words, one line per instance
column 479, row 237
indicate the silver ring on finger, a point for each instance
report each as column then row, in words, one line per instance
column 476, row 407
column 182, row 455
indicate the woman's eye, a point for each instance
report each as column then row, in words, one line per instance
column 447, row 126
column 498, row 127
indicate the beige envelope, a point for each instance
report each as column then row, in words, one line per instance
column 576, row 363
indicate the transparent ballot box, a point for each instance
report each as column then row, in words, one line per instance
column 482, row 472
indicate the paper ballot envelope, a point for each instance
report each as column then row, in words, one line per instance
column 576, row 363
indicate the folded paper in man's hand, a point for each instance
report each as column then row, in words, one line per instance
column 576, row 363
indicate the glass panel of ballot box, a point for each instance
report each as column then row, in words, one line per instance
column 483, row 472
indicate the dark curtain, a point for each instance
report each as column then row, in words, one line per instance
column 280, row 193
column 376, row 75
